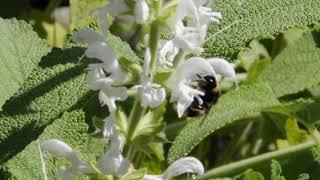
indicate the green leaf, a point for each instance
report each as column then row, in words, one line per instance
column 57, row 85
column 250, row 175
column 256, row 52
column 245, row 20
column 276, row 172
column 295, row 135
column 310, row 114
column 135, row 175
column 82, row 12
column 315, row 91
column 248, row 101
column 304, row 176
column 70, row 128
column 20, row 51
column 290, row 108
column 296, row 68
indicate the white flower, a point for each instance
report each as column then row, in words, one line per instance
column 190, row 35
column 188, row 72
column 109, row 128
column 151, row 94
column 114, row 8
column 109, row 95
column 141, row 11
column 190, row 39
column 167, row 53
column 179, row 167
column 197, row 11
column 180, row 82
column 105, row 75
column 60, row 148
column 112, row 162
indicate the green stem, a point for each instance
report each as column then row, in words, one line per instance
column 178, row 59
column 236, row 167
column 135, row 116
column 234, row 145
column 314, row 132
column 153, row 44
column 52, row 6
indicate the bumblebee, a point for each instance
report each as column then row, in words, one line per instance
column 207, row 84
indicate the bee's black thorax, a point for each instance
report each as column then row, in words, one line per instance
column 209, row 86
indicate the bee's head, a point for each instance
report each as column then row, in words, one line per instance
column 210, row 81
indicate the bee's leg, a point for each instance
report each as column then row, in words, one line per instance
column 206, row 114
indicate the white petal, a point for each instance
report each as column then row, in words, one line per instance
column 191, row 68
column 102, row 16
column 66, row 174
column 109, row 95
column 185, row 8
column 100, row 50
column 222, row 67
column 112, row 162
column 167, row 53
column 146, row 63
column 60, row 148
column 190, row 39
column 141, row 11
column 182, row 166
column 87, row 36
column 97, row 79
column 152, row 177
column 109, row 127
column 182, row 107
column 207, row 15
column 116, row 7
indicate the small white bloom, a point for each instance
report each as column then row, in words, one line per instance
column 112, row 162
column 179, row 167
column 180, row 82
column 185, row 8
column 141, row 11
column 167, row 53
column 207, row 15
column 60, row 148
column 151, row 94
column 109, row 128
column 87, row 36
column 197, row 11
column 190, row 39
column 109, row 95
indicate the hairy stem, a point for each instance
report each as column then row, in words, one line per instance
column 43, row 165
column 135, row 115
column 236, row 167
column 154, row 40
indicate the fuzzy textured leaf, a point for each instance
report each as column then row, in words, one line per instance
column 20, row 51
column 82, row 12
column 57, row 85
column 296, row 67
column 70, row 128
column 245, row 102
column 245, row 20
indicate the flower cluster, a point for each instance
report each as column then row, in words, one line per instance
column 113, row 163
column 189, row 26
